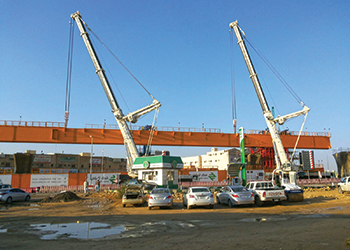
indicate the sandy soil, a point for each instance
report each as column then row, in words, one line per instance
column 321, row 221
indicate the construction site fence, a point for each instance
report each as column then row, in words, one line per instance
column 58, row 189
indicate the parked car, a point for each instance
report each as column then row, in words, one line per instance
column 13, row 194
column 148, row 186
column 235, row 195
column 293, row 192
column 2, row 186
column 134, row 195
column 160, row 197
column 198, row 196
column 130, row 182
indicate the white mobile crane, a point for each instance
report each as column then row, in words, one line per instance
column 280, row 154
column 118, row 114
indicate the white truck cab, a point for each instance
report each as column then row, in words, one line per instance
column 344, row 185
column 265, row 191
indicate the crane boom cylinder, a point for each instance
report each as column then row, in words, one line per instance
column 248, row 61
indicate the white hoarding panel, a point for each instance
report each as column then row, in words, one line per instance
column 5, row 179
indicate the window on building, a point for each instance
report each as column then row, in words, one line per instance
column 170, row 175
column 82, row 166
column 150, row 176
column 73, row 166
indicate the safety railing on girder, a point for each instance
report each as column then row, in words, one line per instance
column 158, row 128
column 32, row 124
column 287, row 132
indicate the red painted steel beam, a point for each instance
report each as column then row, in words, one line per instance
column 32, row 134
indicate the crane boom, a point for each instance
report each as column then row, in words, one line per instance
column 118, row 114
column 270, row 121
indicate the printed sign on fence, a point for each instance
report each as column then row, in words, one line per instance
column 206, row 175
column 39, row 180
column 105, row 178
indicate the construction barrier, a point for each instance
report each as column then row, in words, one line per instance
column 58, row 189
column 203, row 184
column 318, row 181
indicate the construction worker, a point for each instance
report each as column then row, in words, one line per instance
column 86, row 186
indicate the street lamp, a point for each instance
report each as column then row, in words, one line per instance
column 92, row 141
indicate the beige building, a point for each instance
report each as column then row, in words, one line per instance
column 219, row 159
column 30, row 162
column 6, row 161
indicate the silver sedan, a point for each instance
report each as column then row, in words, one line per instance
column 13, row 194
column 160, row 197
column 198, row 196
column 235, row 195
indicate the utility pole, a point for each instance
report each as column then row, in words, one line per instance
column 102, row 160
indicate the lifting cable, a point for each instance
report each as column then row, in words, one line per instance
column 153, row 128
column 286, row 85
column 233, row 84
column 296, row 143
column 157, row 110
column 69, row 73
column 118, row 59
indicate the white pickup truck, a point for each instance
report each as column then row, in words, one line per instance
column 265, row 191
column 344, row 185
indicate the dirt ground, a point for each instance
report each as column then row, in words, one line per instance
column 321, row 221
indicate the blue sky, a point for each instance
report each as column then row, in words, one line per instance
column 180, row 51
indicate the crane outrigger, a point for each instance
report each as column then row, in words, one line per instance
column 283, row 164
column 121, row 119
